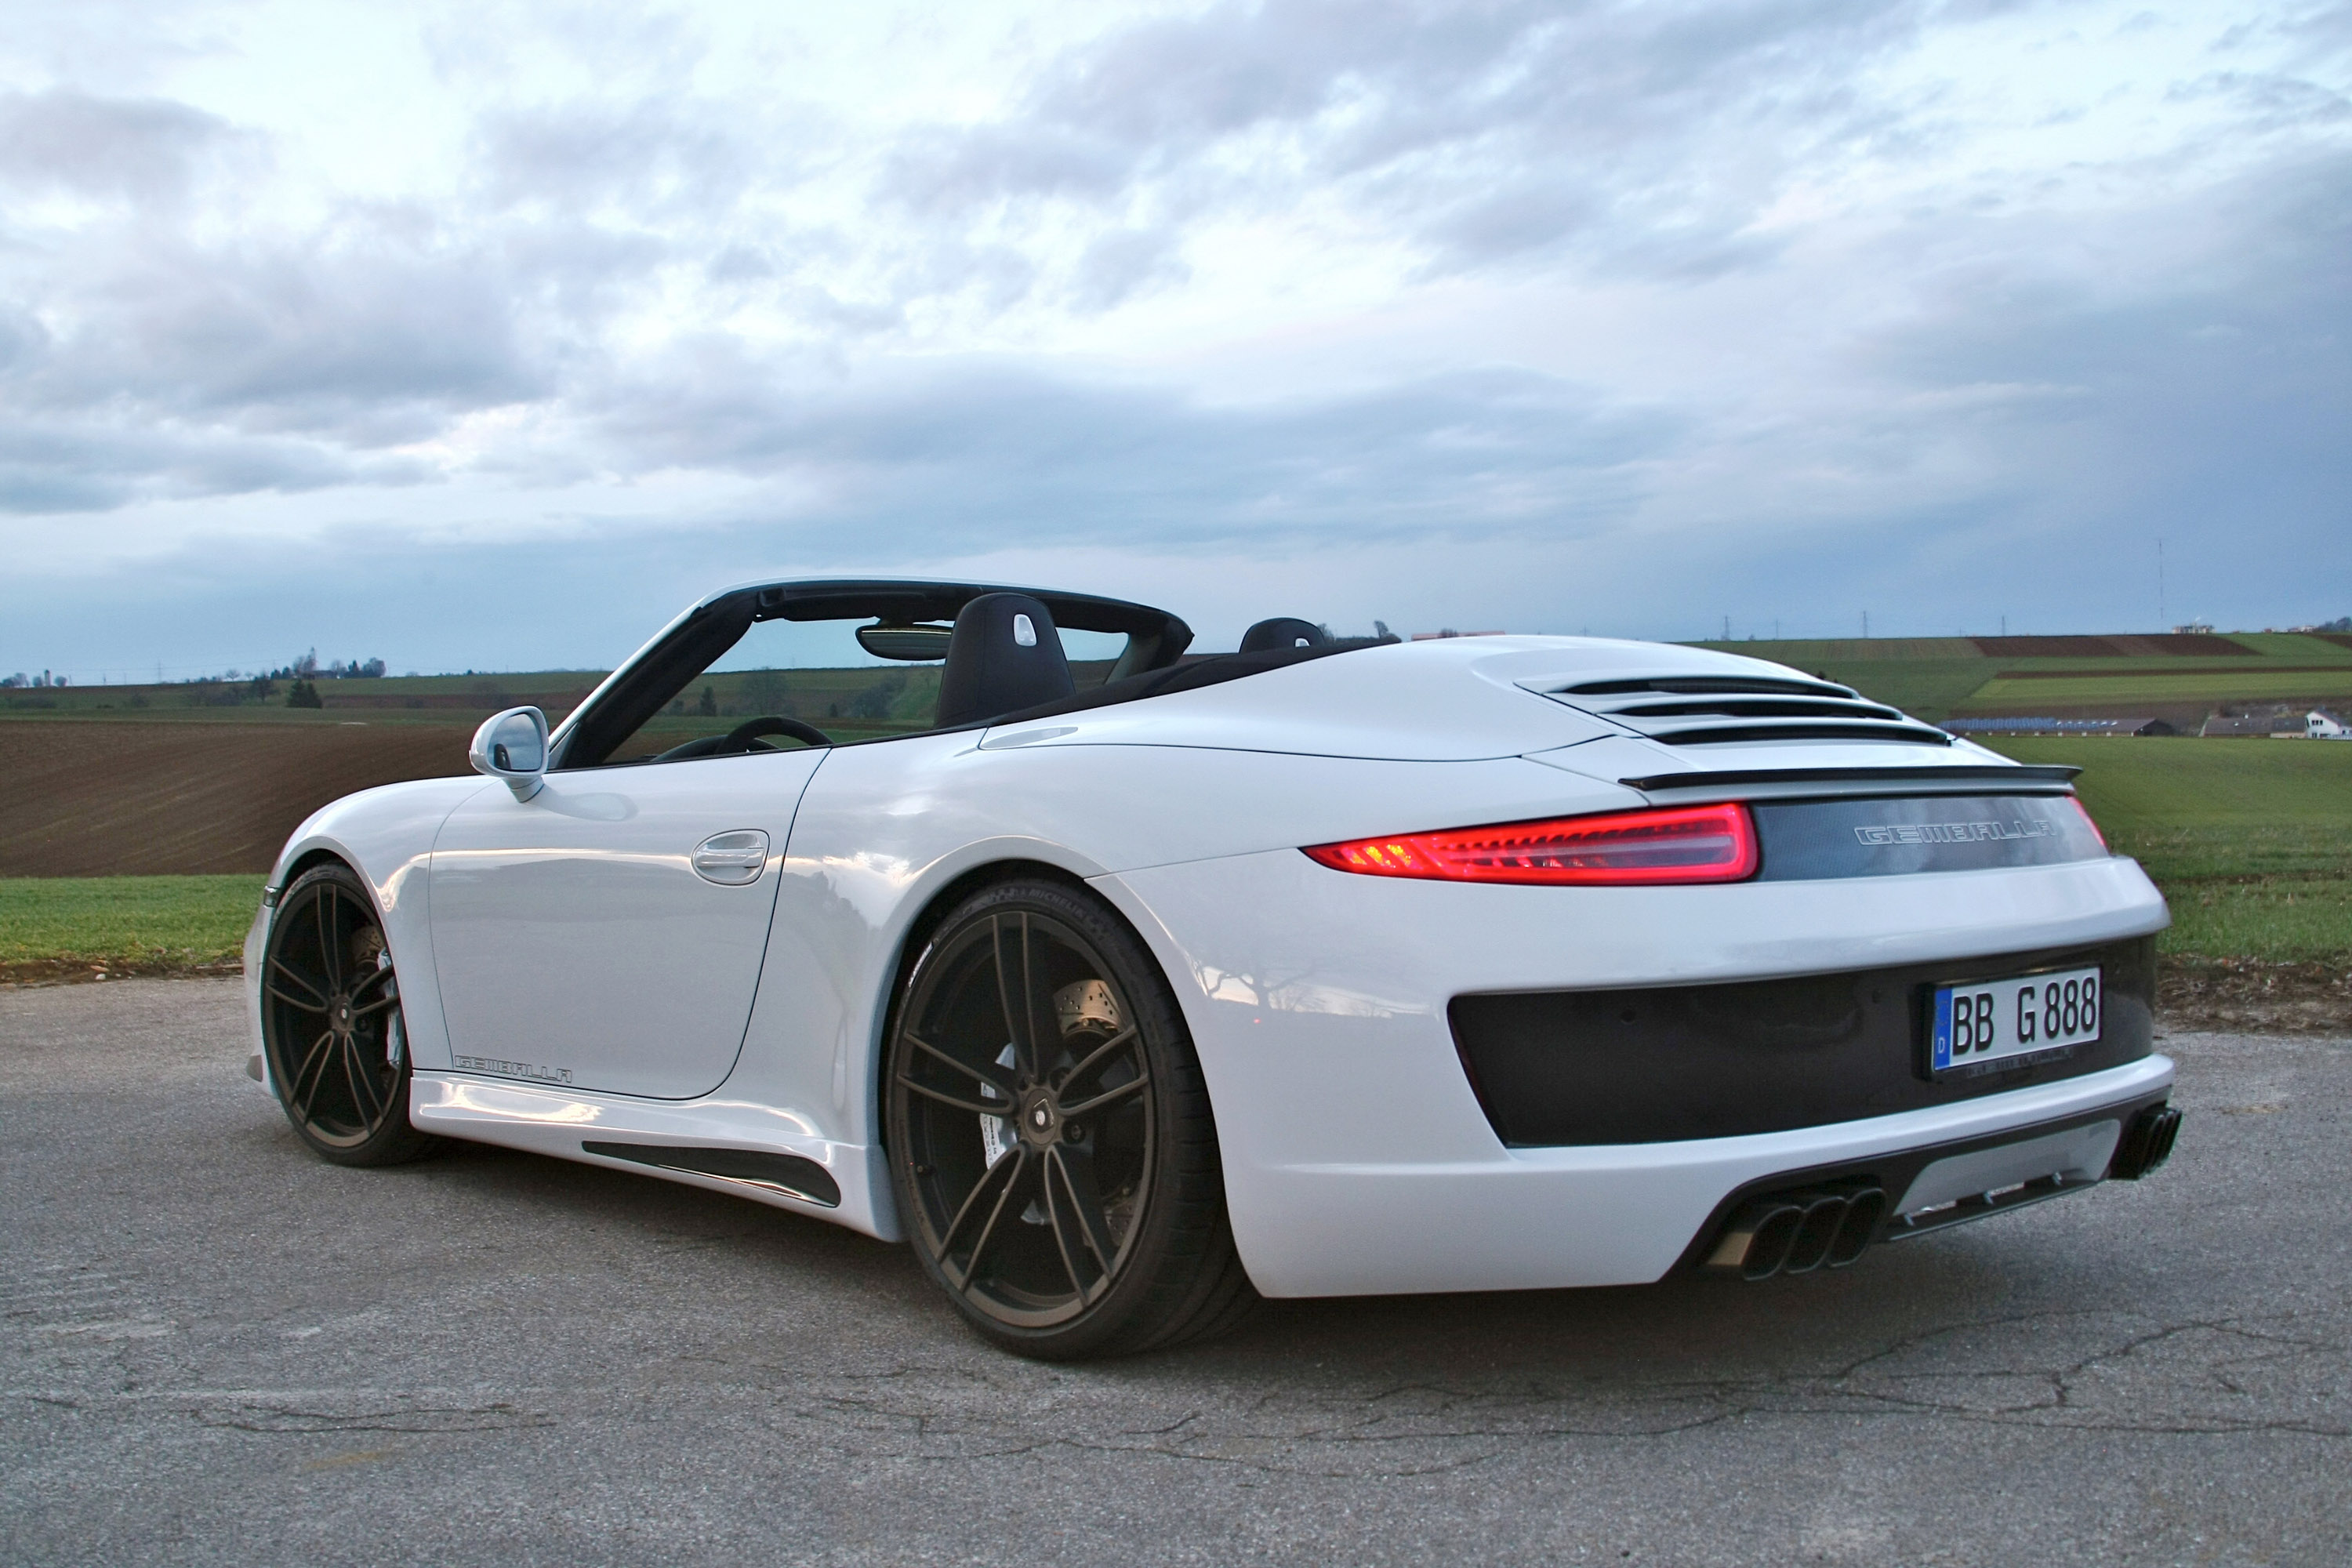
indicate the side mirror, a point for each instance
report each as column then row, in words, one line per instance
column 512, row 746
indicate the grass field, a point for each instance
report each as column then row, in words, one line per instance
column 1938, row 678
column 2251, row 841
column 123, row 925
column 2027, row 691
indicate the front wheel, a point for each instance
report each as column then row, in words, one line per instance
column 1051, row 1144
column 330, row 1022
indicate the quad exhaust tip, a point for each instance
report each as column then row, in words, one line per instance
column 2146, row 1144
column 1797, row 1232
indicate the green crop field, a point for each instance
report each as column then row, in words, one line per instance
column 2029, row 692
column 1938, row 678
column 2251, row 841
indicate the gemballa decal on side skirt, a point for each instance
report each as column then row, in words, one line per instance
column 530, row 1070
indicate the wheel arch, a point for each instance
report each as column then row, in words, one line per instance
column 918, row 933
column 318, row 855
column 384, row 836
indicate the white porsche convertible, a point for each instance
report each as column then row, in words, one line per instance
column 1315, row 968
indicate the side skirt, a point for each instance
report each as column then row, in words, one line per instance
column 745, row 1150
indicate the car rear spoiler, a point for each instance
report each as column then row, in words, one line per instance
column 2018, row 780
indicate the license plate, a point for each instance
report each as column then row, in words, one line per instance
column 1997, row 1020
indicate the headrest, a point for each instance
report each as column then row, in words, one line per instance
column 1284, row 632
column 1005, row 656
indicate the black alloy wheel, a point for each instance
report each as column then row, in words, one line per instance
column 1051, row 1144
column 331, row 1023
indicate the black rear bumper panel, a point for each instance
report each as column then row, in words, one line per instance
column 1664, row 1064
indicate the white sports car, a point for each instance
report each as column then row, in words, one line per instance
column 1317, row 968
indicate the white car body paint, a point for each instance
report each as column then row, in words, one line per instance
column 573, row 937
column 1357, row 1157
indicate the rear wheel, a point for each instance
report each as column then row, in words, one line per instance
column 1051, row 1142
column 331, row 1021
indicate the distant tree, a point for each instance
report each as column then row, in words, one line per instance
column 13, row 681
column 263, row 688
column 875, row 701
column 372, row 670
column 2341, row 624
column 763, row 691
column 304, row 695
column 709, row 705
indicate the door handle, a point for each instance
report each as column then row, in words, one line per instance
column 732, row 859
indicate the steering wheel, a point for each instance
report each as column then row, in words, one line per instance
column 741, row 738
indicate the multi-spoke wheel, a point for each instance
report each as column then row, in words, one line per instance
column 1051, row 1144
column 331, row 1021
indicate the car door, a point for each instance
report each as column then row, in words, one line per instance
column 607, row 933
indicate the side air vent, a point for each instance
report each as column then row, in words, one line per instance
column 1714, row 710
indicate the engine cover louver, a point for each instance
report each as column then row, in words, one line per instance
column 1716, row 710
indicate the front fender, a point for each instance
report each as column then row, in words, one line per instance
column 385, row 835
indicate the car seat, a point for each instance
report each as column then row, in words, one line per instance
column 1004, row 655
column 1284, row 632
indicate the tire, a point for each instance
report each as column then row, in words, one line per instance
column 1051, row 1144
column 332, row 1023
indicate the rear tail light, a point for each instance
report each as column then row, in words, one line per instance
column 1688, row 844
column 2090, row 822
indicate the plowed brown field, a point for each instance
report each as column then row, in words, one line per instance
column 100, row 799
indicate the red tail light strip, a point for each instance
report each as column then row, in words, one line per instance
column 1685, row 844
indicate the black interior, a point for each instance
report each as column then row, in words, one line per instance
column 1005, row 656
column 1190, row 676
column 1156, row 640
column 989, row 675
column 745, row 737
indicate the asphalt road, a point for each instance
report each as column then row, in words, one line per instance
column 217, row 1349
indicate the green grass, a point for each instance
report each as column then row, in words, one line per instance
column 130, row 923
column 2251, row 841
column 1935, row 677
column 2280, row 919
column 2123, row 688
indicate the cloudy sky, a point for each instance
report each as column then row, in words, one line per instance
column 488, row 334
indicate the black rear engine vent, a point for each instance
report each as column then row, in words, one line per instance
column 1714, row 710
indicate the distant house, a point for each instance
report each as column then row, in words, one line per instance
column 2136, row 725
column 2250, row 726
column 2321, row 725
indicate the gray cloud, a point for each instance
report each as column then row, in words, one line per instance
column 746, row 295
column 144, row 149
column 1643, row 137
column 362, row 337
column 649, row 159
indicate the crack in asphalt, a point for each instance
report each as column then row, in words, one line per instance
column 2086, row 1371
column 931, row 1413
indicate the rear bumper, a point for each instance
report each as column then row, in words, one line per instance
column 1358, row 1159
column 1617, row 1214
